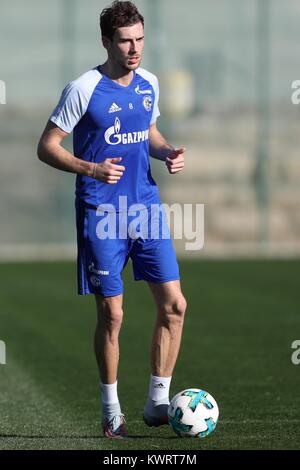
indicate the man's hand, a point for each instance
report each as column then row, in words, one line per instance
column 108, row 171
column 175, row 161
column 51, row 152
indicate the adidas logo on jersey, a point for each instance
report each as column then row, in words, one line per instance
column 114, row 108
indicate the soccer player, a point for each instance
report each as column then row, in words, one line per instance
column 112, row 112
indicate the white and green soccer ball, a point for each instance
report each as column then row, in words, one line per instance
column 193, row 413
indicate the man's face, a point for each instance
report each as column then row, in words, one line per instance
column 127, row 46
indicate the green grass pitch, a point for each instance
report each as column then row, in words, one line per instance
column 241, row 321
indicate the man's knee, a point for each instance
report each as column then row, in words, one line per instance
column 173, row 311
column 110, row 313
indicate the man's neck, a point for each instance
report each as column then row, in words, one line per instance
column 117, row 73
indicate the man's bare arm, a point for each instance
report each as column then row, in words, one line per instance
column 161, row 150
column 159, row 147
column 51, row 151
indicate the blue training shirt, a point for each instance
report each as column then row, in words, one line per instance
column 109, row 120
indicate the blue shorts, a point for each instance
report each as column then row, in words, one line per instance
column 101, row 258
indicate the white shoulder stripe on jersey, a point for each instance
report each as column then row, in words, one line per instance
column 74, row 100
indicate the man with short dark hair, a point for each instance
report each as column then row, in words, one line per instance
column 112, row 111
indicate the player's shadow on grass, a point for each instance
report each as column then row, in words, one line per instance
column 163, row 438
column 61, row 436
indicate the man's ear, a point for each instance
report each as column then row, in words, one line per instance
column 106, row 42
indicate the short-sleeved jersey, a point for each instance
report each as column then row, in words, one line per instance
column 109, row 120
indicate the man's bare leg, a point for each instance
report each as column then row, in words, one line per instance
column 106, row 345
column 171, row 306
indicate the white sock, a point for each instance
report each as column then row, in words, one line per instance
column 110, row 401
column 159, row 388
column 109, row 393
